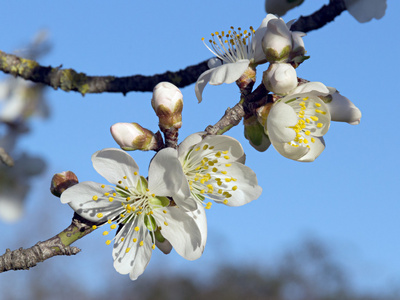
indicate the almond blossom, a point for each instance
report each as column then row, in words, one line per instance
column 139, row 207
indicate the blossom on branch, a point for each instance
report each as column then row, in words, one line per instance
column 237, row 51
column 296, row 123
column 214, row 168
column 141, row 209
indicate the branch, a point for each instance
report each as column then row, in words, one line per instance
column 71, row 80
column 5, row 158
column 23, row 259
column 320, row 18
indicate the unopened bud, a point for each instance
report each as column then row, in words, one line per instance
column 167, row 102
column 254, row 132
column 280, row 78
column 132, row 136
column 277, row 41
column 61, row 181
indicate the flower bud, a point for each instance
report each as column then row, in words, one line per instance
column 277, row 41
column 132, row 136
column 280, row 78
column 61, row 181
column 254, row 132
column 167, row 102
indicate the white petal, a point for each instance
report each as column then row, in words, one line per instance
column 182, row 198
column 281, row 116
column 365, row 10
column 229, row 73
column 165, row 173
column 80, row 198
column 187, row 143
column 113, row 164
column 343, row 110
column 244, row 190
column 138, row 257
column 224, row 143
column 311, row 86
column 183, row 231
column 316, row 149
column 201, row 83
column 289, row 151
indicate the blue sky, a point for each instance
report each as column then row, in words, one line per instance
column 348, row 197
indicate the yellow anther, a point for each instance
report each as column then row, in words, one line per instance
column 212, row 147
column 127, row 177
column 197, row 149
column 308, row 120
column 312, row 140
column 105, row 232
column 153, row 247
column 202, row 39
column 128, row 207
column 108, row 242
column 153, row 195
column 128, row 198
column 137, row 228
column 219, row 191
column 210, row 186
column 139, row 213
column 202, row 191
column 135, row 173
column 165, row 223
column 228, row 165
column 305, row 141
column 228, row 179
column 147, row 190
column 114, row 194
column 141, row 243
column 126, row 188
column 234, row 188
column 317, row 104
column 214, row 169
column 226, row 157
column 99, row 215
column 134, row 240
column 314, row 118
column 122, row 239
column 106, row 194
column 224, row 172
column 225, row 152
column 111, row 199
column 109, row 221
column 164, row 211
column 319, row 125
column 122, row 215
column 307, row 132
column 113, row 226
column 205, row 147
column 95, row 198
column 103, row 186
column 225, row 201
column 94, row 227
column 127, row 250
column 218, row 154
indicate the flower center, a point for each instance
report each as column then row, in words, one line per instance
column 233, row 45
column 311, row 121
column 207, row 172
column 136, row 211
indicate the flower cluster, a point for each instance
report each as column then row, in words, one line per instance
column 297, row 114
column 166, row 209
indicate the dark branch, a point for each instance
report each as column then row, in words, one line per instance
column 70, row 80
column 320, row 18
